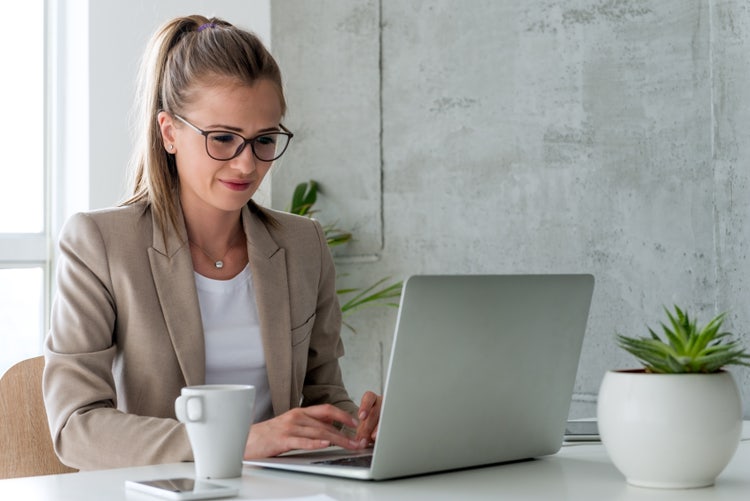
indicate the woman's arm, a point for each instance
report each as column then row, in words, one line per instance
column 88, row 430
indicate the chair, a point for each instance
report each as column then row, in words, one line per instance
column 25, row 440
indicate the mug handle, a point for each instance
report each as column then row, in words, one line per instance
column 189, row 408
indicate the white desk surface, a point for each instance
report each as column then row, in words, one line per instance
column 580, row 472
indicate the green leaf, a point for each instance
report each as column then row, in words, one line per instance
column 304, row 197
column 686, row 348
column 375, row 294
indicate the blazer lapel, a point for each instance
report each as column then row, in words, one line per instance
column 172, row 269
column 268, row 267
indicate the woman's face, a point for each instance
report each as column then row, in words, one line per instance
column 206, row 183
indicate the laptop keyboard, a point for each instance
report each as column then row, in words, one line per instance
column 361, row 461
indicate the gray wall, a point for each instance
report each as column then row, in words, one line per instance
column 544, row 136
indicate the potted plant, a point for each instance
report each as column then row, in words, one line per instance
column 676, row 422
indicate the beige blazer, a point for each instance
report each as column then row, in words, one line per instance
column 126, row 332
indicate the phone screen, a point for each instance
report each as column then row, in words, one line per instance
column 175, row 484
column 182, row 488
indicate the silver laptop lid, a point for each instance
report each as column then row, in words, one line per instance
column 482, row 370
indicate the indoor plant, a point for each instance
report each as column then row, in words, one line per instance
column 676, row 422
column 352, row 299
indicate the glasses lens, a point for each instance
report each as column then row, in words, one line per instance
column 227, row 145
column 270, row 146
column 223, row 145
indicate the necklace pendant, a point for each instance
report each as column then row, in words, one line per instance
column 219, row 264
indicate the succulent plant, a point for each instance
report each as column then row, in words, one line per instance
column 688, row 348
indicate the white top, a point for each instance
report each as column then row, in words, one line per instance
column 234, row 348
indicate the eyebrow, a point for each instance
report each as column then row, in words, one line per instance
column 239, row 130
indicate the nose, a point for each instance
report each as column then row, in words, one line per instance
column 245, row 162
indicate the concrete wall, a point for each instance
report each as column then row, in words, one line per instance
column 545, row 136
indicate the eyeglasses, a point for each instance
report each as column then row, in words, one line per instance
column 224, row 145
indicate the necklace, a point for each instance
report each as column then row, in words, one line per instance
column 218, row 263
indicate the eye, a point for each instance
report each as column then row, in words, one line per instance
column 222, row 137
column 266, row 140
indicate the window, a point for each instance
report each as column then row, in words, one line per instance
column 24, row 269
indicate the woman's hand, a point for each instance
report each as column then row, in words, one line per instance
column 305, row 428
column 369, row 417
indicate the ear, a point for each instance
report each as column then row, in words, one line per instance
column 166, row 125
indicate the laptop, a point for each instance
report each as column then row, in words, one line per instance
column 481, row 372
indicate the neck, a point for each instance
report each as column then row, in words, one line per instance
column 214, row 234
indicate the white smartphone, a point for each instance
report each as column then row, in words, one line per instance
column 581, row 431
column 182, row 488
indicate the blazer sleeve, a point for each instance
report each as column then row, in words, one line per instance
column 80, row 396
column 323, row 379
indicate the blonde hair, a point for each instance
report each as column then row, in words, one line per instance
column 183, row 52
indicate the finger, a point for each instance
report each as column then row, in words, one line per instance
column 330, row 435
column 369, row 399
column 366, row 430
column 307, row 444
column 318, row 424
column 367, row 427
column 330, row 414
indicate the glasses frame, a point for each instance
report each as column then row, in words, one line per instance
column 284, row 132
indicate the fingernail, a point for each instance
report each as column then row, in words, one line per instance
column 362, row 415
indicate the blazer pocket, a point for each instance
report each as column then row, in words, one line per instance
column 302, row 333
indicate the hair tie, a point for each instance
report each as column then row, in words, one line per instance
column 207, row 25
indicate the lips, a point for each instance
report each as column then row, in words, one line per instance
column 236, row 185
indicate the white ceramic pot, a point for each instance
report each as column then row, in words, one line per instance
column 669, row 430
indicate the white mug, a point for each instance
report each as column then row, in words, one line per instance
column 218, row 419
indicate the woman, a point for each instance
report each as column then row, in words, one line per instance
column 190, row 282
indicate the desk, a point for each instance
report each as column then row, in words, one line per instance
column 580, row 472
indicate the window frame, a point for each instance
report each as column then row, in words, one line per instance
column 20, row 250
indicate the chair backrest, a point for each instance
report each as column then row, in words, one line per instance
column 25, row 440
